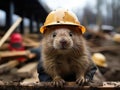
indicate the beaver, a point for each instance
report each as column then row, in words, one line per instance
column 64, row 52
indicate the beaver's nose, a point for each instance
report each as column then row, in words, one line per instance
column 63, row 42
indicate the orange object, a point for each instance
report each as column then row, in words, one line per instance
column 62, row 17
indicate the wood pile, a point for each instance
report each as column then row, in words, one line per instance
column 12, row 69
column 105, row 43
column 23, row 75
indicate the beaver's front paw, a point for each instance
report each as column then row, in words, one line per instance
column 58, row 82
column 81, row 81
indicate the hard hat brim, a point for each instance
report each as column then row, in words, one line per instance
column 103, row 65
column 82, row 28
column 100, row 64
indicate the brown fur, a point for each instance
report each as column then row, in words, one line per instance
column 60, row 61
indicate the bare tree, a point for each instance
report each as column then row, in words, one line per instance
column 115, row 13
column 88, row 16
column 99, row 12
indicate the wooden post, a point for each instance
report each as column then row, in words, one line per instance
column 38, row 27
column 31, row 24
column 22, row 25
column 9, row 14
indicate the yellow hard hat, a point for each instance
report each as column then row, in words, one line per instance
column 116, row 38
column 62, row 17
column 99, row 59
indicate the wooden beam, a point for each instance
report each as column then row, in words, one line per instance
column 30, row 45
column 111, row 84
column 11, row 64
column 32, row 35
column 28, row 40
column 7, row 66
column 105, row 48
column 4, row 47
column 15, row 54
column 10, row 30
column 27, row 70
column 34, row 78
column 42, row 86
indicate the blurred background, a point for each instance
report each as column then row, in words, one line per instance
column 96, row 12
column 100, row 17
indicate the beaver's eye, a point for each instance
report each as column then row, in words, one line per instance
column 70, row 33
column 54, row 34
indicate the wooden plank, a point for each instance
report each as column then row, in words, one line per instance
column 32, row 42
column 10, row 30
column 15, row 54
column 7, row 66
column 105, row 48
column 29, row 40
column 12, row 53
column 111, row 84
column 25, row 44
column 34, row 37
column 34, row 78
column 13, row 63
column 27, row 70
column 4, row 47
column 42, row 86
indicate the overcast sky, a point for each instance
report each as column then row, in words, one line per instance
column 69, row 4
column 53, row 4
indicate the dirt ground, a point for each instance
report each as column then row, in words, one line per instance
column 112, row 57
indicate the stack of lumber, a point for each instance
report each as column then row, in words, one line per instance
column 23, row 75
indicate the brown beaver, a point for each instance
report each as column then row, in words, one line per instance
column 64, row 52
